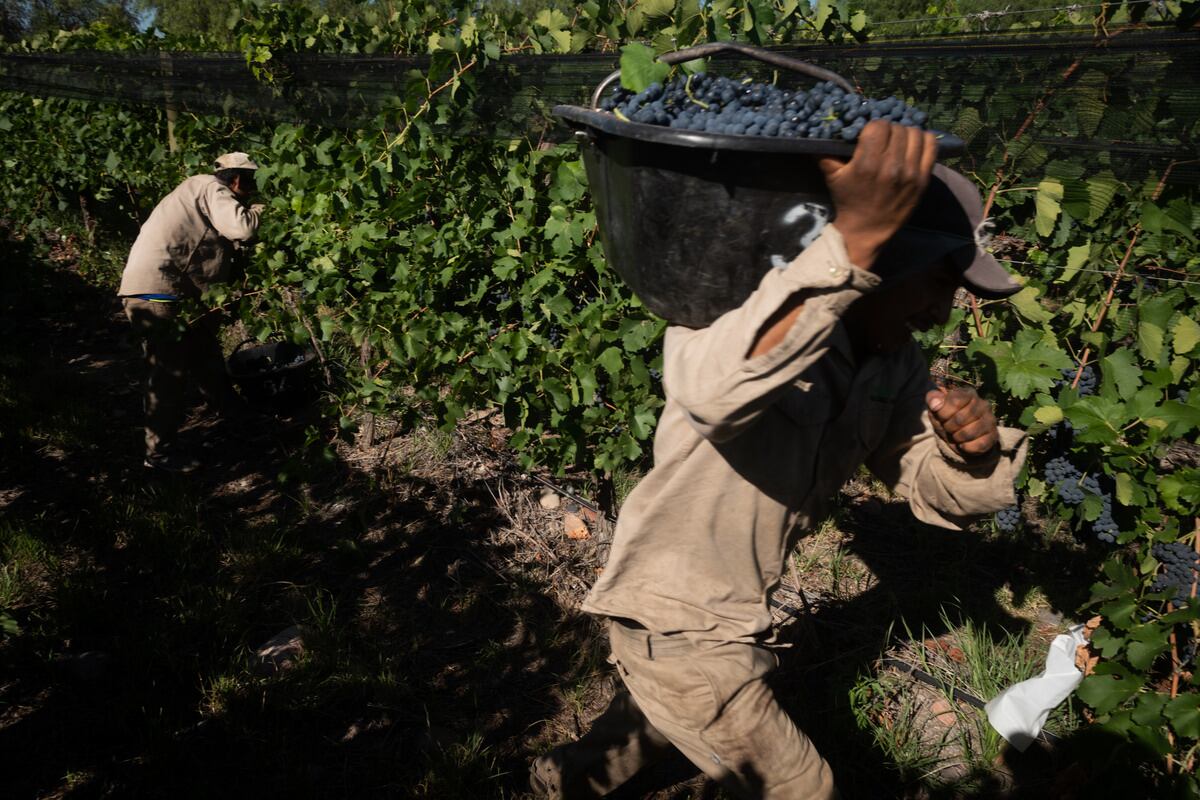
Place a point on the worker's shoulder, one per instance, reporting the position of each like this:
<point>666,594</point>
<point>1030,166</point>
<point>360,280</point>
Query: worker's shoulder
<point>201,183</point>
<point>195,186</point>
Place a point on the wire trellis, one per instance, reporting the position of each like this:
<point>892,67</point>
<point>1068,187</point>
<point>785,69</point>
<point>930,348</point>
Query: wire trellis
<point>1127,273</point>
<point>998,13</point>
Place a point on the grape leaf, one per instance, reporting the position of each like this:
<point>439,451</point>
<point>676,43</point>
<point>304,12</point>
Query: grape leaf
<point>1027,364</point>
<point>1048,415</point>
<point>1149,709</point>
<point>636,334</point>
<point>1119,369</point>
<point>1097,419</point>
<point>1120,612</point>
<point>1049,205</point>
<point>1026,304</point>
<point>1101,190</point>
<point>558,393</point>
<point>968,125</point>
<point>1179,417</point>
<point>1110,686</point>
<point>1184,715</point>
<point>1155,220</point>
<point>1186,335</point>
<point>640,67</point>
<point>657,8</point>
<point>1146,644</point>
<point>1076,258</point>
<point>1153,317</point>
<point>612,361</point>
<point>824,11</point>
<point>1177,487</point>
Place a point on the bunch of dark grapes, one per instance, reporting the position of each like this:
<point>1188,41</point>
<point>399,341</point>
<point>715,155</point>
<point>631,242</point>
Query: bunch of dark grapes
<point>726,106</point>
<point>1087,381</point>
<point>1008,519</point>
<point>1063,476</point>
<point>1105,527</point>
<point>1180,565</point>
<point>1073,487</point>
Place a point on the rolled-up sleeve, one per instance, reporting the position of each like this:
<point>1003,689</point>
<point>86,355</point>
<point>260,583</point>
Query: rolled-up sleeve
<point>941,487</point>
<point>707,371</point>
<point>233,220</point>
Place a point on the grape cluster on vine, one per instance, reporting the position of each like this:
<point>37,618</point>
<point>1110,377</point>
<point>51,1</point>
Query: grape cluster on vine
<point>1073,487</point>
<point>1008,519</point>
<point>1064,477</point>
<point>726,106</point>
<point>1087,380</point>
<point>1181,564</point>
<point>1105,527</point>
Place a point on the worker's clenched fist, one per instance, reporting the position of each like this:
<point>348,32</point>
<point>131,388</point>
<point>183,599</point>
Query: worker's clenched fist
<point>963,420</point>
<point>877,189</point>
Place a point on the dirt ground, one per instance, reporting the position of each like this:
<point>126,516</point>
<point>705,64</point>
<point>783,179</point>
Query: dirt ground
<point>438,595</point>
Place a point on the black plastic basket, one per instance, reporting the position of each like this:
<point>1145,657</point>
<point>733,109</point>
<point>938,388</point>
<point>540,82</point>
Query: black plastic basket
<point>691,220</point>
<point>278,375</point>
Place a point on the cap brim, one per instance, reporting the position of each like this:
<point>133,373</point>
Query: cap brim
<point>985,278</point>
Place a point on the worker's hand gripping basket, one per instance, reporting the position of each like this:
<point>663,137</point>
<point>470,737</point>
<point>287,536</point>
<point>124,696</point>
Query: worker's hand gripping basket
<point>692,220</point>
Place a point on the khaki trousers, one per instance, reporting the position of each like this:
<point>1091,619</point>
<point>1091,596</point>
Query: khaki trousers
<point>712,704</point>
<point>173,355</point>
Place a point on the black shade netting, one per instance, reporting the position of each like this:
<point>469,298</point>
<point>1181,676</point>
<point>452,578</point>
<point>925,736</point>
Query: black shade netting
<point>1132,98</point>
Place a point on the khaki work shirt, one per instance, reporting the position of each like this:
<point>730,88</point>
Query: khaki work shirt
<point>749,451</point>
<point>187,242</point>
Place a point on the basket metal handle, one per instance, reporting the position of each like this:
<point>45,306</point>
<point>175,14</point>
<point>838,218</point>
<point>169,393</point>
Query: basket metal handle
<point>711,48</point>
<point>242,344</point>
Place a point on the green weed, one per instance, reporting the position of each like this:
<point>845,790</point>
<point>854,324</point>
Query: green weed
<point>931,738</point>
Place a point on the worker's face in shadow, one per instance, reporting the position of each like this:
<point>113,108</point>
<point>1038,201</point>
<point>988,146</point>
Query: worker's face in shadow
<point>244,187</point>
<point>882,322</point>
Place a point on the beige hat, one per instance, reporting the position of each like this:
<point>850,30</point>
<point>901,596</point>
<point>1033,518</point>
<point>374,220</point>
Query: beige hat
<point>234,161</point>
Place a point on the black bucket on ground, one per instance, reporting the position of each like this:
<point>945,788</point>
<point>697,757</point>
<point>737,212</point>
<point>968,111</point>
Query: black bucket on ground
<point>692,221</point>
<point>280,376</point>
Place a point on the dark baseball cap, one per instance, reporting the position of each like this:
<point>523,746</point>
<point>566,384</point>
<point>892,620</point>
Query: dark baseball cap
<point>948,221</point>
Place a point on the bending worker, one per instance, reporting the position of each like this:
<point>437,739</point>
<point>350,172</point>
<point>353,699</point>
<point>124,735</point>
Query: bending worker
<point>768,412</point>
<point>186,245</point>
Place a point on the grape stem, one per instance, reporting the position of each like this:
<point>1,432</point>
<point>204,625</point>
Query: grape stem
<point>687,88</point>
<point>290,301</point>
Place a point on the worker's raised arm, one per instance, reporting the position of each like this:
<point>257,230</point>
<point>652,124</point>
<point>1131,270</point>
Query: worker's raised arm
<point>231,218</point>
<point>873,194</point>
<point>725,375</point>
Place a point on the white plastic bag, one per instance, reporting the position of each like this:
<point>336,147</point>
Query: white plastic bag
<point>1019,712</point>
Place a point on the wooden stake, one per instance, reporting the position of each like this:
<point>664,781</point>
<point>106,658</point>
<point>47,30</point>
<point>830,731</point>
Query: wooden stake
<point>364,359</point>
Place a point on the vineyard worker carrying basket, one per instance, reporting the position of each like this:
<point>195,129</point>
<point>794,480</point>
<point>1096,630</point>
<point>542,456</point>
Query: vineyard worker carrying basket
<point>768,412</point>
<point>187,244</point>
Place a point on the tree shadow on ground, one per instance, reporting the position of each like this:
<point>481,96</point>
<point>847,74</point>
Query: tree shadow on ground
<point>431,652</point>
